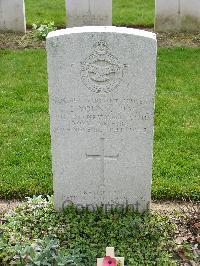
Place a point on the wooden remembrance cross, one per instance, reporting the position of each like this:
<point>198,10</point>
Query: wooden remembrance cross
<point>111,253</point>
<point>102,158</point>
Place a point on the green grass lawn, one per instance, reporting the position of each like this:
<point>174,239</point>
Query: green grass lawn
<point>25,159</point>
<point>125,12</point>
<point>176,143</point>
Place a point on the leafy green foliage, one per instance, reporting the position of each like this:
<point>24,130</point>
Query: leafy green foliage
<point>125,12</point>
<point>81,235</point>
<point>41,31</point>
<point>24,133</point>
<point>44,252</point>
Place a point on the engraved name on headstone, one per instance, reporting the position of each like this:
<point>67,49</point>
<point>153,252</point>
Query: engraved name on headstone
<point>101,94</point>
<point>12,15</point>
<point>89,13</point>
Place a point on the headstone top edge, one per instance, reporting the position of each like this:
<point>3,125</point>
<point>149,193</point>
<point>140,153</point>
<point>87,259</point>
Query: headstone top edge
<point>104,29</point>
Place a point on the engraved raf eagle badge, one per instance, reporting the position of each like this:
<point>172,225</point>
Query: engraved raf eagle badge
<point>101,72</point>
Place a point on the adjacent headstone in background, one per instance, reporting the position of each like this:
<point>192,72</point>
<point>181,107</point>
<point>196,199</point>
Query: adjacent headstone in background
<point>12,15</point>
<point>89,12</point>
<point>177,15</point>
<point>101,93</point>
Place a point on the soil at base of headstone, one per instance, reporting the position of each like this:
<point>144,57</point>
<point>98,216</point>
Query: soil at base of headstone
<point>11,40</point>
<point>157,206</point>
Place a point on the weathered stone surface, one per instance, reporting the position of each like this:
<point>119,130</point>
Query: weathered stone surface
<point>12,15</point>
<point>177,15</point>
<point>89,13</point>
<point>101,93</point>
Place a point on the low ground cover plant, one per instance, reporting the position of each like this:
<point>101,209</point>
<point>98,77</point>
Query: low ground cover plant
<point>44,252</point>
<point>35,231</point>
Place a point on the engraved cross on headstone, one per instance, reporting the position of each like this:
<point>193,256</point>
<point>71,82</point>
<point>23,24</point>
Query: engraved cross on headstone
<point>102,158</point>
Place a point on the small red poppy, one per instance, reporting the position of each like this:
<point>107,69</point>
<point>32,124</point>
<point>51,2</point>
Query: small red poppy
<point>108,261</point>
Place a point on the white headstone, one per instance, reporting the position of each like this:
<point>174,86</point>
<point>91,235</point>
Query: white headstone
<point>177,15</point>
<point>89,13</point>
<point>12,15</point>
<point>101,92</point>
